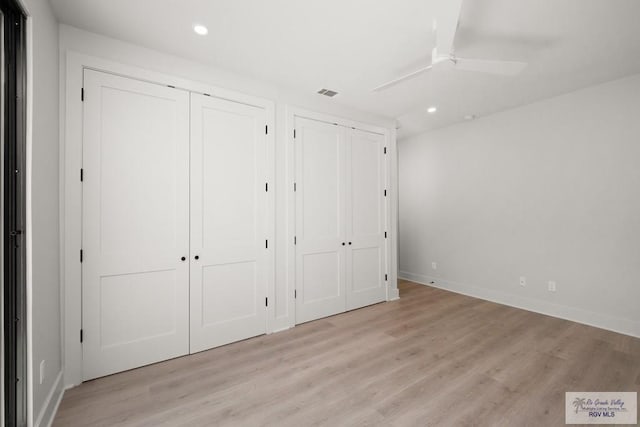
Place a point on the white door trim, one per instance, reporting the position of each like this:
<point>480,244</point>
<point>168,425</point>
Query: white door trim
<point>71,190</point>
<point>391,212</point>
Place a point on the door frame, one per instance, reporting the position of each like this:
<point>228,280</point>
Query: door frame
<point>71,189</point>
<point>391,204</point>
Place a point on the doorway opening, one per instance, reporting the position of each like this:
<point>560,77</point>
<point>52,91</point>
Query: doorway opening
<point>13,200</point>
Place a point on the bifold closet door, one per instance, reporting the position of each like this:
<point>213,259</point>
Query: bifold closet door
<point>366,249</point>
<point>229,253</point>
<point>135,285</point>
<point>320,212</point>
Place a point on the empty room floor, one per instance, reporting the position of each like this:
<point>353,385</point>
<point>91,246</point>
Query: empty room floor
<point>432,358</point>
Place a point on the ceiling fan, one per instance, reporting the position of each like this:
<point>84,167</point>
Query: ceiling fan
<point>444,29</point>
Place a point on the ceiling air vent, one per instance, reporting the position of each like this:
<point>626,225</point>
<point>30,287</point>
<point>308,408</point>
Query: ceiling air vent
<point>327,92</point>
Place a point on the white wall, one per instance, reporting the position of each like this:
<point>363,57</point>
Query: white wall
<point>44,266</point>
<point>549,191</point>
<point>76,40</point>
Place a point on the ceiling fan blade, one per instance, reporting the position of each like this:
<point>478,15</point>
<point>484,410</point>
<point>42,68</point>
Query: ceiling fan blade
<point>403,78</point>
<point>502,68</point>
<point>445,25</point>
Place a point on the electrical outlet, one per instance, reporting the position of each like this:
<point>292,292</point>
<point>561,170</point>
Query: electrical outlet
<point>42,371</point>
<point>552,286</point>
<point>434,265</point>
<point>523,281</point>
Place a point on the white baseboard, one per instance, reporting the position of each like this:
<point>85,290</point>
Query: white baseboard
<point>615,324</point>
<point>50,406</point>
<point>394,294</point>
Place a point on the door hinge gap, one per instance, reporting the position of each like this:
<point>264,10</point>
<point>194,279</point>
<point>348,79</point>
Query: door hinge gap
<point>80,255</point>
<point>266,129</point>
<point>81,335</point>
<point>294,134</point>
<point>266,302</point>
<point>385,277</point>
<point>295,240</point>
<point>385,234</point>
<point>266,244</point>
<point>266,186</point>
<point>294,187</point>
<point>295,294</point>
<point>81,175</point>
<point>82,94</point>
<point>385,193</point>
<point>385,150</point>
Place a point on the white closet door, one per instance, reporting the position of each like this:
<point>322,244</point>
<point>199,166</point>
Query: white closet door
<point>229,257</point>
<point>135,224</point>
<point>365,219</point>
<point>320,211</point>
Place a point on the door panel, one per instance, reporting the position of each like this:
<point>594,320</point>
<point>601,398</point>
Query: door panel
<point>150,293</point>
<point>320,210</point>
<point>321,275</point>
<point>228,222</point>
<point>238,283</point>
<point>135,223</point>
<point>366,269</point>
<point>365,225</point>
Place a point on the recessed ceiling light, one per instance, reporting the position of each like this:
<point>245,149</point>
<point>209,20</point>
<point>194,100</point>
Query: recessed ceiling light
<point>200,30</point>
<point>431,110</point>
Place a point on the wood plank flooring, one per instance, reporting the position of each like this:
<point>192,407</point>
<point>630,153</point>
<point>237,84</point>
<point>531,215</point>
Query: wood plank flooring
<point>431,358</point>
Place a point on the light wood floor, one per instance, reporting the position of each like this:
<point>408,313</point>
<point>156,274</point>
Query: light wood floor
<point>431,358</point>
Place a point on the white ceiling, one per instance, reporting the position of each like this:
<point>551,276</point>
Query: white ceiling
<point>354,45</point>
